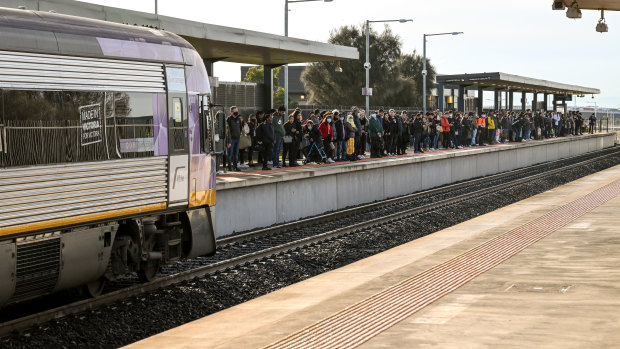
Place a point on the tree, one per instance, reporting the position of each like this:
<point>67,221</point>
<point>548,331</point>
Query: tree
<point>391,86</point>
<point>257,75</point>
<point>411,66</point>
<point>278,97</point>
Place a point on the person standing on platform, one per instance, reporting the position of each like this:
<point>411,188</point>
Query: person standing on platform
<point>474,125</point>
<point>375,131</point>
<point>357,114</point>
<point>278,128</point>
<point>363,136</point>
<point>266,138</point>
<point>491,128</point>
<point>234,135</point>
<point>339,136</point>
<point>445,131</point>
<point>350,131</point>
<point>482,129</point>
<point>315,117</point>
<point>287,141</point>
<point>578,124</point>
<point>327,134</point>
<point>418,129</point>
<point>592,124</point>
<point>297,132</point>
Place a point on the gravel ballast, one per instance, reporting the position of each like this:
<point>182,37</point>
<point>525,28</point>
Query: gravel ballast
<point>137,318</point>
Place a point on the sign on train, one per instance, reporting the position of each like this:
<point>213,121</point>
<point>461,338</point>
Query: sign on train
<point>90,122</point>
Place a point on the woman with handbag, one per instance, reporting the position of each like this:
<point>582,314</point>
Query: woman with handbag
<point>287,140</point>
<point>245,142</point>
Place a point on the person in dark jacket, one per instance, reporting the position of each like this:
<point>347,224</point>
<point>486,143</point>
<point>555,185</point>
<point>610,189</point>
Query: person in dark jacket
<point>375,131</point>
<point>458,130</point>
<point>297,132</point>
<point>394,132</point>
<point>403,134</point>
<point>266,138</point>
<point>314,137</point>
<point>592,124</point>
<point>363,137</point>
<point>234,135</point>
<point>357,114</point>
<point>340,135</point>
<point>287,142</point>
<point>418,129</point>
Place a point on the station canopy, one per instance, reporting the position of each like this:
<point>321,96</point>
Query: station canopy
<point>213,42</point>
<point>503,81</point>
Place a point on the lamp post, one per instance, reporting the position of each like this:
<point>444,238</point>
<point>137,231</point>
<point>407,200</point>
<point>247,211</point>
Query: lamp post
<point>367,63</point>
<point>286,2</point>
<point>424,72</point>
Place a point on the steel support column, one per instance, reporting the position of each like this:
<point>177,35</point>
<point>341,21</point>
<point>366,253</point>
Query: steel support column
<point>546,101</point>
<point>496,97</point>
<point>461,99</point>
<point>268,87</point>
<point>480,99</point>
<point>523,99</point>
<point>441,99</point>
<point>209,66</point>
<point>535,101</point>
<point>510,100</point>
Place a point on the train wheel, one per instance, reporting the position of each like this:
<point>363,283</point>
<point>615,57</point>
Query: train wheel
<point>95,288</point>
<point>148,270</point>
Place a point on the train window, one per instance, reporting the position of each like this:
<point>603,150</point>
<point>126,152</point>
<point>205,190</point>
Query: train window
<point>50,127</point>
<point>133,117</point>
<point>46,127</point>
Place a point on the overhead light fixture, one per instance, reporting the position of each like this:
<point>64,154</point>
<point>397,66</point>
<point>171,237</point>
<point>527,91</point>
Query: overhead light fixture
<point>558,6</point>
<point>573,11</point>
<point>601,27</point>
<point>338,68</point>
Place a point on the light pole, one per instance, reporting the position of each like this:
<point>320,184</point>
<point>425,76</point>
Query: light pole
<point>286,2</point>
<point>367,63</point>
<point>424,72</point>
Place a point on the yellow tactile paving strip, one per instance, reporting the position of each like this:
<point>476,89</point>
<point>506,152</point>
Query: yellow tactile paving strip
<point>480,314</point>
<point>356,324</point>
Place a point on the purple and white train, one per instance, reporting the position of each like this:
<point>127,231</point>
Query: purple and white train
<point>106,153</point>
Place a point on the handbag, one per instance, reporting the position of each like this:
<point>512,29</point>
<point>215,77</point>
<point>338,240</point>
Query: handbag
<point>287,139</point>
<point>245,142</point>
<point>350,146</point>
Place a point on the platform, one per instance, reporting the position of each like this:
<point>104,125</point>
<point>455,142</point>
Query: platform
<point>263,198</point>
<point>540,273</point>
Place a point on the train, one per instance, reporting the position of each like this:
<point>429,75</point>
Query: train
<point>107,163</point>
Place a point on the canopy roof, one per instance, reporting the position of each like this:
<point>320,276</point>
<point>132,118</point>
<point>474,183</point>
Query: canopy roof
<point>513,82</point>
<point>213,42</point>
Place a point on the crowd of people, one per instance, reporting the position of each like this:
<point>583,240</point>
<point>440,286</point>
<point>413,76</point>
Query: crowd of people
<point>334,136</point>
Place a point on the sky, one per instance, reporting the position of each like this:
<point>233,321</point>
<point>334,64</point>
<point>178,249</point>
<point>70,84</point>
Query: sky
<point>523,37</point>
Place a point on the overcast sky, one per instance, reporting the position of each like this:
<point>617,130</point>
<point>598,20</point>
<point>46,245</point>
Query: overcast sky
<point>518,37</point>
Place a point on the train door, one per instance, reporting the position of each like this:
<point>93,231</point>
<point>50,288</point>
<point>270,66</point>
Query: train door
<point>178,139</point>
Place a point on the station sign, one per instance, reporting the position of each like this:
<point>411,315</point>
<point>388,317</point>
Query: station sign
<point>367,91</point>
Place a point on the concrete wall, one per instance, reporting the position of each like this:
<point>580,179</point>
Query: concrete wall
<point>255,201</point>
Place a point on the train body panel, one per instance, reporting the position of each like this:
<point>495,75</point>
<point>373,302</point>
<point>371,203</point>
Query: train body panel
<point>106,164</point>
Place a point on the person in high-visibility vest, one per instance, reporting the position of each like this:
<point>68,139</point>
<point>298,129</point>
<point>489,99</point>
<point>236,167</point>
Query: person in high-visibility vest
<point>491,129</point>
<point>482,129</point>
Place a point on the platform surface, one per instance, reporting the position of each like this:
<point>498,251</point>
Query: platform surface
<point>561,291</point>
<point>254,176</point>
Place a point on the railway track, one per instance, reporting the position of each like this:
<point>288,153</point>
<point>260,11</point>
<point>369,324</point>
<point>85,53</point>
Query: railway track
<point>249,247</point>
